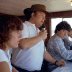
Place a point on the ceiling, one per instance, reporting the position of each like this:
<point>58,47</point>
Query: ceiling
<point>16,7</point>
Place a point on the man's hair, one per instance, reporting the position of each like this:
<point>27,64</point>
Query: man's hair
<point>8,23</point>
<point>62,26</point>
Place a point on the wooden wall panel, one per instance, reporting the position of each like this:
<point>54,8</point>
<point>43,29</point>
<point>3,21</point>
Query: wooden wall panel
<point>60,14</point>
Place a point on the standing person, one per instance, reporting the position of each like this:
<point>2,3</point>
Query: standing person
<point>57,48</point>
<point>29,56</point>
<point>10,28</point>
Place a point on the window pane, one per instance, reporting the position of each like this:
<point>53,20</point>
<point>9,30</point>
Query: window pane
<point>69,20</point>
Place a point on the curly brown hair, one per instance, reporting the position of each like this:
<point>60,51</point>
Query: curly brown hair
<point>8,23</point>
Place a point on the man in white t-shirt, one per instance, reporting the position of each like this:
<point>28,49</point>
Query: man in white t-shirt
<point>31,52</point>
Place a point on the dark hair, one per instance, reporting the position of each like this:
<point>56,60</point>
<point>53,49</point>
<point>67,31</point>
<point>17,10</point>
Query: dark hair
<point>62,25</point>
<point>8,23</point>
<point>28,12</point>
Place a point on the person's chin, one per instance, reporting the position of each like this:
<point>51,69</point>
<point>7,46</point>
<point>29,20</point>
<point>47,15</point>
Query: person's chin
<point>63,37</point>
<point>16,46</point>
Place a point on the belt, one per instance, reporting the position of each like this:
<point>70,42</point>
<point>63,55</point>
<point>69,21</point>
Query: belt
<point>23,70</point>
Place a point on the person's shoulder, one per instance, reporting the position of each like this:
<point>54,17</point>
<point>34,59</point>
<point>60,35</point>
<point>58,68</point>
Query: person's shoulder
<point>53,38</point>
<point>57,38</point>
<point>3,56</point>
<point>1,51</point>
<point>26,24</point>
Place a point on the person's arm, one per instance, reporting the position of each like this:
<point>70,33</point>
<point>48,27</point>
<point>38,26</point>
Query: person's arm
<point>29,42</point>
<point>67,42</point>
<point>14,70</point>
<point>66,54</point>
<point>4,67</point>
<point>49,58</point>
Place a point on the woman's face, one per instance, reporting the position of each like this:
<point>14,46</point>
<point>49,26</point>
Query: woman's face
<point>14,39</point>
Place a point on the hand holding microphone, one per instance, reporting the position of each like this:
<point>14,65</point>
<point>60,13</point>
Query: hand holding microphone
<point>42,27</point>
<point>43,32</point>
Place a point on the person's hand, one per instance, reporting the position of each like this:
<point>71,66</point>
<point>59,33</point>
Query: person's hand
<point>14,70</point>
<point>60,63</point>
<point>43,34</point>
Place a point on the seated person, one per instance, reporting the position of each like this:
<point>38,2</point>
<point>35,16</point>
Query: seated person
<point>10,28</point>
<point>67,41</point>
<point>55,44</point>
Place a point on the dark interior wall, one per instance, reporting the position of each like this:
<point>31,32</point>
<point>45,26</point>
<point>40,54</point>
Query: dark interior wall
<point>2,14</point>
<point>48,26</point>
<point>61,14</point>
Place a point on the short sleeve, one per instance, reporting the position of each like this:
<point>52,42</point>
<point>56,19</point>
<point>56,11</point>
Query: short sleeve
<point>25,31</point>
<point>3,56</point>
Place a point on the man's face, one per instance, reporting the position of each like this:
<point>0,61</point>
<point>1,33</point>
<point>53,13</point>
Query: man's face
<point>39,18</point>
<point>63,33</point>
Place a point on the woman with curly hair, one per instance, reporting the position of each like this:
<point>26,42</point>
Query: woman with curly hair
<point>10,29</point>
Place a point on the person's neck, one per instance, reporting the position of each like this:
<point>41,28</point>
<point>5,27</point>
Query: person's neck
<point>32,21</point>
<point>6,48</point>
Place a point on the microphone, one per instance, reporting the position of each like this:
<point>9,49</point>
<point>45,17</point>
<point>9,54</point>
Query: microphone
<point>42,27</point>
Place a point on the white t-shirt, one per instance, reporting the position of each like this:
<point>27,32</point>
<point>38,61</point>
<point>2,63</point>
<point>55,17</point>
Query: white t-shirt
<point>4,56</point>
<point>30,59</point>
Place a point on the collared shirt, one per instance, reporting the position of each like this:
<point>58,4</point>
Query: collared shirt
<point>57,49</point>
<point>29,59</point>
